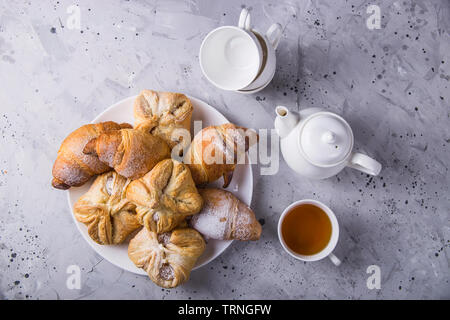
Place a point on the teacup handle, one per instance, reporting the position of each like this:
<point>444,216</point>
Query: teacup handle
<point>273,34</point>
<point>244,20</point>
<point>365,164</point>
<point>336,261</point>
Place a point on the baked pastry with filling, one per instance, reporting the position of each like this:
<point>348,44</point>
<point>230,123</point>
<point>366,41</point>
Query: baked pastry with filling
<point>216,150</point>
<point>131,152</point>
<point>168,257</point>
<point>165,196</point>
<point>72,167</point>
<point>170,111</point>
<point>225,217</point>
<point>104,209</point>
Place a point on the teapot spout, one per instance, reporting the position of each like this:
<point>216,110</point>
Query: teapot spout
<point>285,121</point>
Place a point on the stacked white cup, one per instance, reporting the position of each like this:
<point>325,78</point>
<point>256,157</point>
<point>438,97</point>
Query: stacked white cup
<point>239,58</point>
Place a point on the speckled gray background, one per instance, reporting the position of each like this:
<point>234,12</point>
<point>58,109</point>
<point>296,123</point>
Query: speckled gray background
<point>392,85</point>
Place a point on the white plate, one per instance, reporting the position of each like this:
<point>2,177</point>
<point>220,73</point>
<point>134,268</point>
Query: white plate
<point>241,185</point>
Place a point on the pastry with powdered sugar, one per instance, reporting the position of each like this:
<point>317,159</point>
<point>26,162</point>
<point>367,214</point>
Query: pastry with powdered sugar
<point>225,217</point>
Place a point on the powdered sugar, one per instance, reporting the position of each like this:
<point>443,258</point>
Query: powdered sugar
<point>109,184</point>
<point>164,238</point>
<point>225,217</point>
<point>243,223</point>
<point>166,272</point>
<point>214,219</point>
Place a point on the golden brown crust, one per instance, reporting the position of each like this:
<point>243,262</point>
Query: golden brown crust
<point>167,110</point>
<point>131,152</point>
<point>104,209</point>
<point>168,260</point>
<point>58,184</point>
<point>214,152</point>
<point>225,217</point>
<point>74,168</point>
<point>165,196</point>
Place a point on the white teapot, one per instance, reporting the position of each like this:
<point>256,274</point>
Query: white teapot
<point>318,144</point>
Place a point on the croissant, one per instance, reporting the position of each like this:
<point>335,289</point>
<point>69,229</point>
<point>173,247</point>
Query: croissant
<point>165,196</point>
<point>215,151</point>
<point>131,152</point>
<point>225,217</point>
<point>104,209</point>
<point>168,258</point>
<point>72,168</point>
<point>169,110</point>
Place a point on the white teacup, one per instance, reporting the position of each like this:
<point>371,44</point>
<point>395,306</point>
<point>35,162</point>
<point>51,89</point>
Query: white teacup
<point>230,57</point>
<point>269,43</point>
<point>325,252</point>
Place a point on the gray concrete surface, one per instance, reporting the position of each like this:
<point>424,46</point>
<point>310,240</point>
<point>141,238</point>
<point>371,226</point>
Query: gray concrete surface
<point>392,85</point>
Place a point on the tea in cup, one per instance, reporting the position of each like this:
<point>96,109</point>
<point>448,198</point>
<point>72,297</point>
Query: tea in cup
<point>308,230</point>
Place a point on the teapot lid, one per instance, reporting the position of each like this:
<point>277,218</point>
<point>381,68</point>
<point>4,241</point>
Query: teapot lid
<point>326,139</point>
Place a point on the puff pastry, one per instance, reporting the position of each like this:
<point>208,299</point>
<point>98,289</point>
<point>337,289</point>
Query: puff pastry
<point>170,111</point>
<point>73,168</point>
<point>131,152</point>
<point>216,150</point>
<point>168,258</point>
<point>104,209</point>
<point>165,196</point>
<point>225,217</point>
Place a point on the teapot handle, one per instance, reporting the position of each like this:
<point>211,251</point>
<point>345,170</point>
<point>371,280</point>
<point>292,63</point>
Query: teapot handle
<point>365,164</point>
